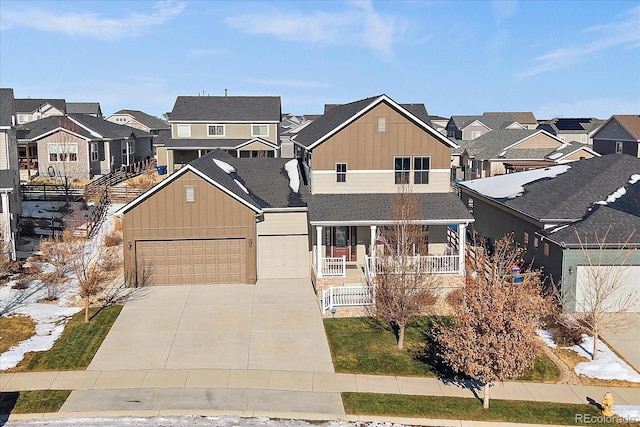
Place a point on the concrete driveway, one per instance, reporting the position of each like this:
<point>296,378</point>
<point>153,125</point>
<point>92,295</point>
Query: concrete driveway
<point>627,341</point>
<point>274,325</point>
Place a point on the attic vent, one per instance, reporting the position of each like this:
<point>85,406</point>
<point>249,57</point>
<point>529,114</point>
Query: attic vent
<point>382,124</point>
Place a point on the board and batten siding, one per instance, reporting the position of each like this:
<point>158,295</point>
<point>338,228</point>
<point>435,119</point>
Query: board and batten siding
<point>166,215</point>
<point>382,181</point>
<point>231,131</point>
<point>364,148</point>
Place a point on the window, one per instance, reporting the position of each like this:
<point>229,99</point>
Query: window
<point>475,134</point>
<point>341,172</point>
<point>526,238</point>
<point>619,147</point>
<point>216,130</point>
<point>184,130</point>
<point>259,130</point>
<point>615,127</point>
<point>94,151</point>
<point>128,152</point>
<point>535,242</point>
<point>53,152</point>
<point>421,166</point>
<point>63,152</point>
<point>402,167</point>
<point>23,118</point>
<point>583,138</point>
<point>546,249</point>
<point>72,152</point>
<point>382,124</point>
<point>470,204</point>
<point>190,194</point>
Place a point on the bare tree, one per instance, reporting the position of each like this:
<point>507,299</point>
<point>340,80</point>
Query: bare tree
<point>54,252</point>
<point>63,157</point>
<point>404,284</point>
<point>602,300</point>
<point>493,336</point>
<point>93,264</point>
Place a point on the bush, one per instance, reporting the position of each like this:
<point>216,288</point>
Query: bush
<point>566,331</point>
<point>118,225</point>
<point>113,239</point>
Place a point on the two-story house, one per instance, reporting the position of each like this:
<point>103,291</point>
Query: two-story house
<point>139,120</point>
<point>572,129</point>
<point>243,126</point>
<point>10,206</point>
<point>620,134</point>
<point>30,109</point>
<point>82,146</point>
<point>89,108</point>
<point>226,219</point>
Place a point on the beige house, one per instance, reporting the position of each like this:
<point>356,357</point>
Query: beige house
<point>139,120</point>
<point>83,146</point>
<point>10,206</point>
<point>30,109</point>
<point>243,126</point>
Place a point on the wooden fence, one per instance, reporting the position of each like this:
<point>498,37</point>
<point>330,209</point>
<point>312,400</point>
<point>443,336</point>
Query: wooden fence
<point>95,187</point>
<point>124,194</point>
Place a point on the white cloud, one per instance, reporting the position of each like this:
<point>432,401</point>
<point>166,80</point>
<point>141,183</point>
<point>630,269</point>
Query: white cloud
<point>622,33</point>
<point>90,24</point>
<point>601,108</point>
<point>358,24</point>
<point>288,83</point>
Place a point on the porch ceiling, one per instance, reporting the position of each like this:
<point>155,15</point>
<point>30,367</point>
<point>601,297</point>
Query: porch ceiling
<point>375,208</point>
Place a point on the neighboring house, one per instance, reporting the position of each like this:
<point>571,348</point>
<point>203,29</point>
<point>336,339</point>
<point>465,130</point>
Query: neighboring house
<point>139,120</point>
<point>30,109</point>
<point>83,146</point>
<point>544,208</point>
<point>290,125</point>
<point>10,204</point>
<point>466,128</point>
<point>88,108</point>
<point>503,151</point>
<point>356,157</point>
<point>620,134</point>
<point>439,123</point>
<point>243,126</point>
<point>572,129</point>
<point>219,219</point>
<point>525,118</point>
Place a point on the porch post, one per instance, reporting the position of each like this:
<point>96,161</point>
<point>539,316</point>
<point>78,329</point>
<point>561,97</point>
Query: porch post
<point>373,244</point>
<point>318,251</point>
<point>462,247</point>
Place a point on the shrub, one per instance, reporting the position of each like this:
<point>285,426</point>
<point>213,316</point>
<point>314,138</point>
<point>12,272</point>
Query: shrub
<point>118,225</point>
<point>113,239</point>
<point>566,331</point>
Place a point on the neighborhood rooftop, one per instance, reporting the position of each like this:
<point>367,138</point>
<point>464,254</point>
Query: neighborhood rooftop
<point>226,109</point>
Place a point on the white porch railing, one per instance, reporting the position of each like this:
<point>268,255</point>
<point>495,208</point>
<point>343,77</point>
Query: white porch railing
<point>334,267</point>
<point>433,264</point>
<point>341,296</point>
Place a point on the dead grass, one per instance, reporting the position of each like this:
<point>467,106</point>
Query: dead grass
<point>113,239</point>
<point>144,181</point>
<point>118,225</point>
<point>75,182</point>
<point>571,359</point>
<point>14,329</point>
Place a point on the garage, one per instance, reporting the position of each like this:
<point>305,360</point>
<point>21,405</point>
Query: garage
<point>626,288</point>
<point>192,261</point>
<point>283,256</point>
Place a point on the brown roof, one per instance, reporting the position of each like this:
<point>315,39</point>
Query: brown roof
<point>631,123</point>
<point>522,117</point>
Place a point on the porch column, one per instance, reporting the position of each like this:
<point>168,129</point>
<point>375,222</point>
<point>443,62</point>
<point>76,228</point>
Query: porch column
<point>318,251</point>
<point>199,153</point>
<point>462,247</point>
<point>373,244</point>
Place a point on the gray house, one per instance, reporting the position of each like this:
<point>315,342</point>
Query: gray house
<point>620,134</point>
<point>10,206</point>
<point>545,208</point>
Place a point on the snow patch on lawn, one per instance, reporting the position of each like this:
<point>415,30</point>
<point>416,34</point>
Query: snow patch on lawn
<point>630,413</point>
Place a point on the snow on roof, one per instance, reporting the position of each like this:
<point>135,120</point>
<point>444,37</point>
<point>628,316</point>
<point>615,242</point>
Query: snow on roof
<point>292,170</point>
<point>634,178</point>
<point>556,155</point>
<point>242,187</point>
<point>613,196</point>
<point>224,166</point>
<point>511,185</point>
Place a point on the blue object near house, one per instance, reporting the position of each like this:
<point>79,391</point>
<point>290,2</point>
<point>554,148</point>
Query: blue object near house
<point>515,270</point>
<point>162,169</point>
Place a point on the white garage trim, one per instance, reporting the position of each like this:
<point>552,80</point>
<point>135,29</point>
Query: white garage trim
<point>283,256</point>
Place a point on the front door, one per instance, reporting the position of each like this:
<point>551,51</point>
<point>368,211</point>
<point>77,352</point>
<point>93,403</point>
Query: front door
<point>343,242</point>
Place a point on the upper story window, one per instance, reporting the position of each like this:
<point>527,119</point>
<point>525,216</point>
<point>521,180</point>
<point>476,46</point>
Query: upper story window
<point>475,134</point>
<point>189,194</point>
<point>259,130</point>
<point>382,124</point>
<point>23,118</point>
<point>619,146</point>
<point>402,169</point>
<point>421,166</point>
<point>215,130</point>
<point>184,130</point>
<point>615,127</point>
<point>63,152</point>
<point>341,172</point>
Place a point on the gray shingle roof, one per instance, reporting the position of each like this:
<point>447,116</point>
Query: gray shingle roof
<point>491,144</point>
<point>148,120</point>
<point>7,107</point>
<point>265,178</point>
<point>107,129</point>
<point>376,207</point>
<point>29,105</point>
<point>492,121</point>
<point>570,195</point>
<point>163,137</point>
<point>226,109</point>
<point>84,108</point>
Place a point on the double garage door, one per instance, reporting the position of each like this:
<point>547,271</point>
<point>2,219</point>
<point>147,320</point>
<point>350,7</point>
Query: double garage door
<point>193,261</point>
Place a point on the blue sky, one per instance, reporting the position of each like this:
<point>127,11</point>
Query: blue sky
<point>457,57</point>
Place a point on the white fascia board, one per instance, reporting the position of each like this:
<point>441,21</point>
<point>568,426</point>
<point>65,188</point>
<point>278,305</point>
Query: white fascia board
<point>283,210</point>
<point>260,140</point>
<point>365,222</point>
<point>476,122</point>
<point>51,132</point>
<point>221,122</point>
<point>534,134</point>
<point>375,102</point>
<point>91,131</point>
<point>173,177</point>
<point>587,149</point>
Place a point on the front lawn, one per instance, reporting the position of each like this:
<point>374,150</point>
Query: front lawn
<point>32,402</point>
<point>15,329</point>
<point>76,346</point>
<point>457,408</point>
<point>364,346</point>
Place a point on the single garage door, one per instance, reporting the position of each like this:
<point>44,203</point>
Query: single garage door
<point>282,257</point>
<point>624,291</point>
<point>197,261</point>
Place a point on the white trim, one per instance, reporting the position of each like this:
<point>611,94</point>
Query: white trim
<point>284,210</point>
<point>224,130</point>
<point>365,222</point>
<point>220,121</point>
<point>259,124</point>
<point>369,107</point>
<point>473,123</point>
<point>257,139</point>
<point>91,131</point>
<point>172,178</point>
<point>617,139</point>
<point>178,130</point>
<point>351,171</point>
<point>51,132</point>
<point>587,149</point>
<point>534,134</point>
